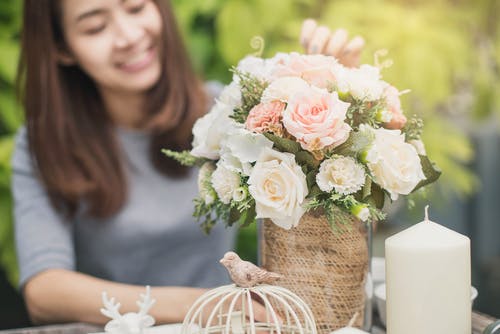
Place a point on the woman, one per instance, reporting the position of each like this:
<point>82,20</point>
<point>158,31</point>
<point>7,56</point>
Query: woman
<point>106,84</point>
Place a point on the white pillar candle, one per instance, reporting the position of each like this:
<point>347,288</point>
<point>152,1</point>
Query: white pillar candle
<point>428,281</point>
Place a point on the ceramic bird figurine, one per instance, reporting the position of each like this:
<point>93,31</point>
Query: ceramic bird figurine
<point>246,274</point>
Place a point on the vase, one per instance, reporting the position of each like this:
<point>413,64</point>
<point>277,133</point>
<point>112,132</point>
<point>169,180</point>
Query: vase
<point>329,268</point>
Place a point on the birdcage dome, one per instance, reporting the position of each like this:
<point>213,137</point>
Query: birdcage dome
<point>229,309</point>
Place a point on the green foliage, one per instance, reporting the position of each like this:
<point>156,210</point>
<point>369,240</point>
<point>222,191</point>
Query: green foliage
<point>185,158</point>
<point>10,119</point>
<point>251,92</point>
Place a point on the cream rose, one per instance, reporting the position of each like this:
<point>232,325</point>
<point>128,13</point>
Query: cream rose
<point>279,188</point>
<point>393,163</point>
<point>316,119</point>
<point>343,174</point>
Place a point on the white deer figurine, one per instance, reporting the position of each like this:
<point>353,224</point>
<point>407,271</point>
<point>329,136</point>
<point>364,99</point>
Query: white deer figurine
<point>129,323</point>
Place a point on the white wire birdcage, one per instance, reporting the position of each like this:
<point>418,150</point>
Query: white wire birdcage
<point>229,310</point>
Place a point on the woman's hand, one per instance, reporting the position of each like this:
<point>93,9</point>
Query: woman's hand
<point>321,40</point>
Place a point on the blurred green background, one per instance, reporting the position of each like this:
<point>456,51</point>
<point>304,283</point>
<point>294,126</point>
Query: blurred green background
<point>446,51</point>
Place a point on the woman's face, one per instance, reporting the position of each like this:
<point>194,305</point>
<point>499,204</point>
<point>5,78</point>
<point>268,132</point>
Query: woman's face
<point>116,42</point>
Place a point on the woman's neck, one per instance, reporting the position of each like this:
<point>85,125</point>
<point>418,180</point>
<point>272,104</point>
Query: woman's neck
<point>125,109</point>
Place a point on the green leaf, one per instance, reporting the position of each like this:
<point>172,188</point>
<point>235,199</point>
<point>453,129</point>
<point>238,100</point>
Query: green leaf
<point>283,144</point>
<point>314,192</point>
<point>247,217</point>
<point>311,179</point>
<point>367,188</point>
<point>377,197</point>
<point>307,159</point>
<point>431,172</point>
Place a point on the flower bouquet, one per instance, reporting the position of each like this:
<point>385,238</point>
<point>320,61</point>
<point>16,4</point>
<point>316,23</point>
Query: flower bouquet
<point>303,142</point>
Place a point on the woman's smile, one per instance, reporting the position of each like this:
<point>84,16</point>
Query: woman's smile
<point>139,61</point>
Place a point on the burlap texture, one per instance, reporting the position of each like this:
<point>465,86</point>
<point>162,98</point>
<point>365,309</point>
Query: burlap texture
<point>326,268</point>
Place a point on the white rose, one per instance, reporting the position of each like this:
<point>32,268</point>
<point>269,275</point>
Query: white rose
<point>363,83</point>
<point>231,95</point>
<point>209,130</point>
<point>242,147</point>
<point>394,164</point>
<point>225,182</point>
<point>204,189</point>
<point>343,174</point>
<point>279,188</point>
<point>282,89</point>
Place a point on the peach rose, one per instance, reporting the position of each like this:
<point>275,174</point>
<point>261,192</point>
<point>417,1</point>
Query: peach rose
<point>398,120</point>
<point>317,70</point>
<point>316,119</point>
<point>265,117</point>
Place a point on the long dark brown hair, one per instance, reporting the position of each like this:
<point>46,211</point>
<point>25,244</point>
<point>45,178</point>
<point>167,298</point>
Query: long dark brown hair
<point>70,135</point>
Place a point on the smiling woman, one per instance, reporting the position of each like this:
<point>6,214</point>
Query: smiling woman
<point>106,84</point>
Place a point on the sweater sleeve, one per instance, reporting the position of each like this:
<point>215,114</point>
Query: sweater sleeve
<point>43,239</point>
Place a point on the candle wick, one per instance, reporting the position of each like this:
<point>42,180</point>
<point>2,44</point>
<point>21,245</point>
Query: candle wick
<point>427,213</point>
<point>354,317</point>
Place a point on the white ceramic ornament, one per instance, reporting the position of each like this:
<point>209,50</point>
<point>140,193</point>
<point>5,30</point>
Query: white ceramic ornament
<point>129,323</point>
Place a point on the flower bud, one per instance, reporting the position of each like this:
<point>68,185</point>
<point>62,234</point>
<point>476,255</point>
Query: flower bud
<point>361,211</point>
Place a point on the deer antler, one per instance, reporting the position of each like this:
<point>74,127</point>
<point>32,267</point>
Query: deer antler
<point>146,302</point>
<point>111,309</point>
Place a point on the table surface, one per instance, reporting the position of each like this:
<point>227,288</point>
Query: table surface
<point>479,323</point>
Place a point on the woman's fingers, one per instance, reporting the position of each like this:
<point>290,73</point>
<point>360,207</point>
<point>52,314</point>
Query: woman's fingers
<point>351,53</point>
<point>307,31</point>
<point>320,40</point>
<point>336,43</point>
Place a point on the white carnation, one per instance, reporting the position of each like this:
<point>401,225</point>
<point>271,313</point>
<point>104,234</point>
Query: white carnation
<point>363,83</point>
<point>225,182</point>
<point>343,174</point>
<point>282,89</point>
<point>279,188</point>
<point>394,164</point>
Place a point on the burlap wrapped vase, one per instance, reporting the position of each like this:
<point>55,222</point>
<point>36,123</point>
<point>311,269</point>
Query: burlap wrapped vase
<point>328,268</point>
